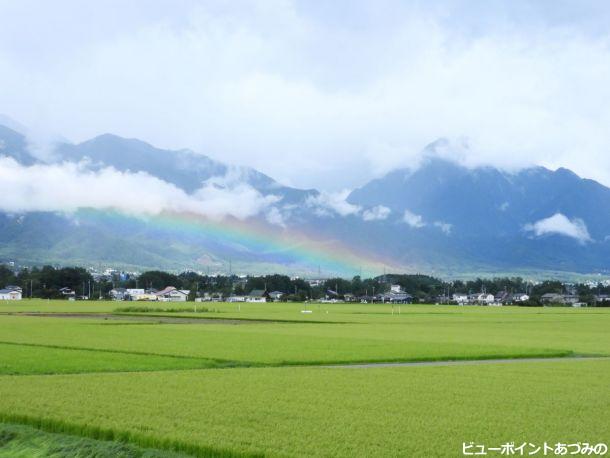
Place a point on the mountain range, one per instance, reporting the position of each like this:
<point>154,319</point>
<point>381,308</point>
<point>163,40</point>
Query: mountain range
<point>439,217</point>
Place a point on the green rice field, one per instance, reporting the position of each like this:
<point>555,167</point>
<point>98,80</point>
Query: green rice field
<point>269,380</point>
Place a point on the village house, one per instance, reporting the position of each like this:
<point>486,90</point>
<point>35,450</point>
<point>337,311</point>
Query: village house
<point>520,297</point>
<point>117,294</point>
<point>396,295</point>
<point>275,296</point>
<point>503,298</point>
<point>554,298</point>
<point>460,298</point>
<point>602,298</point>
<point>172,294</point>
<point>209,297</point>
<point>257,295</point>
<point>481,299</point>
<point>131,293</point>
<point>68,293</point>
<point>11,293</point>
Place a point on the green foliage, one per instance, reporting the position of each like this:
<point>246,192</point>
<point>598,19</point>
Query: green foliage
<point>158,279</point>
<point>147,309</point>
<point>45,282</point>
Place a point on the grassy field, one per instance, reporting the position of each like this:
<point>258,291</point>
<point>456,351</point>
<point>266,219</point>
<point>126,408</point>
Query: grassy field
<point>226,382</point>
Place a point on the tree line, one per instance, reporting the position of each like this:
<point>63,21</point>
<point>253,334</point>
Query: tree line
<point>46,282</point>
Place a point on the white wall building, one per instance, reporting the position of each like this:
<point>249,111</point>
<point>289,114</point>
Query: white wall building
<point>10,294</point>
<point>172,294</point>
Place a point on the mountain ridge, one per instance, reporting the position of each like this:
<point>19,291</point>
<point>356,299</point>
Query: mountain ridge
<point>440,216</point>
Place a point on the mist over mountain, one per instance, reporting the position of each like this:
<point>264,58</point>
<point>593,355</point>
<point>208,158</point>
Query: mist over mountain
<point>94,203</point>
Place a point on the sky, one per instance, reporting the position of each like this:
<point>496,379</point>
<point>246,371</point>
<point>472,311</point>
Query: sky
<point>315,93</point>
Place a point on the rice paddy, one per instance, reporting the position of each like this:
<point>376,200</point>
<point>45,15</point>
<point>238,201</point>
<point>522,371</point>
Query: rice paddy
<point>261,386</point>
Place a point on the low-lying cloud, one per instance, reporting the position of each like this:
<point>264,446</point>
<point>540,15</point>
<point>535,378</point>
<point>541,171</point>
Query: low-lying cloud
<point>560,224</point>
<point>413,219</point>
<point>329,203</point>
<point>378,213</point>
<point>68,187</point>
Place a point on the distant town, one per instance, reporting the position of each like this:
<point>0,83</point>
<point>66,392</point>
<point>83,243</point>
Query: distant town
<point>77,283</point>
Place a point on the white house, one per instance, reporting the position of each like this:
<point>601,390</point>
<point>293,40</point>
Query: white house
<point>481,298</point>
<point>275,295</point>
<point>460,298</point>
<point>257,295</point>
<point>10,293</point>
<point>520,297</point>
<point>67,292</point>
<point>117,294</point>
<point>172,294</point>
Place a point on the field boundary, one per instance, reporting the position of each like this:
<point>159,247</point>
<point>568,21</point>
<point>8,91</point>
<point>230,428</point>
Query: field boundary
<point>466,362</point>
<point>171,317</point>
<point>220,362</point>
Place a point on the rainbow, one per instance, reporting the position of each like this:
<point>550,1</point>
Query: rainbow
<point>291,248</point>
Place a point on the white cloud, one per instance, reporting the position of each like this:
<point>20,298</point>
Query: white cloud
<point>346,92</point>
<point>379,212</point>
<point>275,217</point>
<point>413,220</point>
<point>445,227</point>
<point>67,187</point>
<point>329,203</point>
<point>561,225</point>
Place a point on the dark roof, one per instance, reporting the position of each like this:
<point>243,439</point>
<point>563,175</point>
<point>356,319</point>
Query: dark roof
<point>6,291</point>
<point>257,293</point>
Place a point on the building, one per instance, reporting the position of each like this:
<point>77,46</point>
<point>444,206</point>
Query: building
<point>68,293</point>
<point>396,295</point>
<point>554,298</point>
<point>603,298</point>
<point>460,298</point>
<point>172,294</point>
<point>503,297</point>
<point>257,295</point>
<point>520,297</point>
<point>209,297</point>
<point>130,293</point>
<point>11,293</point>
<point>117,294</point>
<point>481,299</point>
<point>275,295</point>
